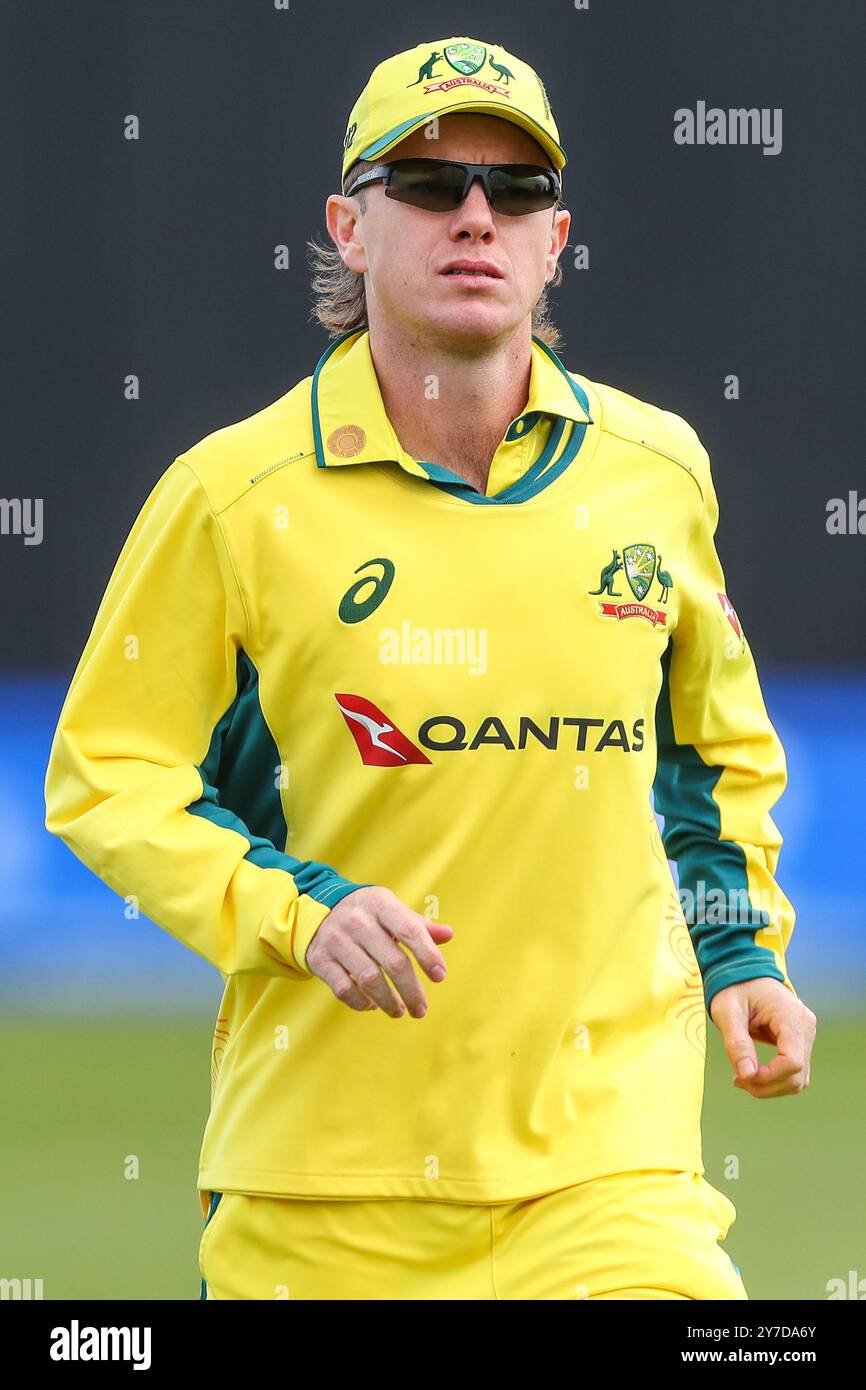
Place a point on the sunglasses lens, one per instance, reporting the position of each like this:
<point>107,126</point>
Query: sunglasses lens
<point>438,187</point>
<point>426,184</point>
<point>520,188</point>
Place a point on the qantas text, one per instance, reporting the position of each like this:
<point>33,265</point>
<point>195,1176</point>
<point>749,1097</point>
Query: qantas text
<point>445,732</point>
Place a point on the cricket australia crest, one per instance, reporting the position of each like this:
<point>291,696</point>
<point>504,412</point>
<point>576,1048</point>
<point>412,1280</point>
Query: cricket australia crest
<point>465,57</point>
<point>642,568</point>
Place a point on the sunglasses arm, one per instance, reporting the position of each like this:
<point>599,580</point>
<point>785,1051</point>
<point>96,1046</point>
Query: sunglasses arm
<point>371,176</point>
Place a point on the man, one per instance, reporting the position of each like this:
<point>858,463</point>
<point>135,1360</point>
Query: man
<point>412,646</point>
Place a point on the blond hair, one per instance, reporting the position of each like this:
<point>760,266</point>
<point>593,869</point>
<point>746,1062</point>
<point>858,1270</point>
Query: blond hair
<point>340,300</point>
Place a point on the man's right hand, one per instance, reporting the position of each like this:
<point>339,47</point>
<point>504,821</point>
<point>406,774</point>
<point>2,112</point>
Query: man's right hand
<point>358,945</point>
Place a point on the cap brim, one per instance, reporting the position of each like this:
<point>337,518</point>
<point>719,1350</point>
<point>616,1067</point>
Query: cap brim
<point>387,142</point>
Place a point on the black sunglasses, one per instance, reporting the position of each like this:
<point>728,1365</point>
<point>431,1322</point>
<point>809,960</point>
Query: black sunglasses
<point>440,185</point>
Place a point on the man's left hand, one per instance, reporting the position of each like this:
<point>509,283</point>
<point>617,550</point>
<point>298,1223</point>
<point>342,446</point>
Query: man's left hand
<point>765,1010</point>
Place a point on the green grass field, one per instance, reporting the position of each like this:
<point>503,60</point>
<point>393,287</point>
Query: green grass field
<point>78,1098</point>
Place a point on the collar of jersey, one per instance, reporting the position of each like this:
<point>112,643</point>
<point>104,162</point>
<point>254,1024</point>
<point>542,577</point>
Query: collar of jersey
<point>346,394</point>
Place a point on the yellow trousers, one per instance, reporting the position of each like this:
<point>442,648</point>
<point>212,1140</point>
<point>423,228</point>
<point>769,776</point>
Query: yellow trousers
<point>647,1234</point>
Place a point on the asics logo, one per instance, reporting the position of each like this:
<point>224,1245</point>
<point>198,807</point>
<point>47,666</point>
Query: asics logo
<point>374,588</point>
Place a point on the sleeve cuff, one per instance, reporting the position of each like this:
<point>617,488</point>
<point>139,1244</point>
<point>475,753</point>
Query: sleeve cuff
<point>308,912</point>
<point>737,972</point>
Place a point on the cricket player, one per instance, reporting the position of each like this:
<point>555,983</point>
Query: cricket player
<point>374,712</point>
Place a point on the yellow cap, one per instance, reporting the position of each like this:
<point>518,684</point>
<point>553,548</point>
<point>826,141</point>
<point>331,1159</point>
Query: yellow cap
<point>459,74</point>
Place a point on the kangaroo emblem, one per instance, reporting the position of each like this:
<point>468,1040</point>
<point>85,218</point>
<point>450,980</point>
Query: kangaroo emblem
<point>664,579</point>
<point>605,579</point>
<point>505,75</point>
<point>425,72</point>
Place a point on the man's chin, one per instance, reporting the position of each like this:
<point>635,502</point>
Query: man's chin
<point>469,323</point>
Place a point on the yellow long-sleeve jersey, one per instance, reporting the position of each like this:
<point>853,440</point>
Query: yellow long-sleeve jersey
<point>306,676</point>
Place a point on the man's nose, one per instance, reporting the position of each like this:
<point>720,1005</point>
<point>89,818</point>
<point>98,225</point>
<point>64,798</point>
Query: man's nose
<point>475,204</point>
<point>476,189</point>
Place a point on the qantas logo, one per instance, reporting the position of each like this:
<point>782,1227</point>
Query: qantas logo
<point>730,613</point>
<point>382,744</point>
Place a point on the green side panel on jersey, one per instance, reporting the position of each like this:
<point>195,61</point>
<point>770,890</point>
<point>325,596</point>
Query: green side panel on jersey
<point>723,932</point>
<point>240,791</point>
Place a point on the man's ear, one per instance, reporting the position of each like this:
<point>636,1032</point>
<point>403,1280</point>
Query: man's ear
<point>343,216</point>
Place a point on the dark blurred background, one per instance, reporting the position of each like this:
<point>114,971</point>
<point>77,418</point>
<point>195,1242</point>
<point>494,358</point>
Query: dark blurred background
<point>155,257</point>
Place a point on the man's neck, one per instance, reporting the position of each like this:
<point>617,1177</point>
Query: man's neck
<point>447,408</point>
